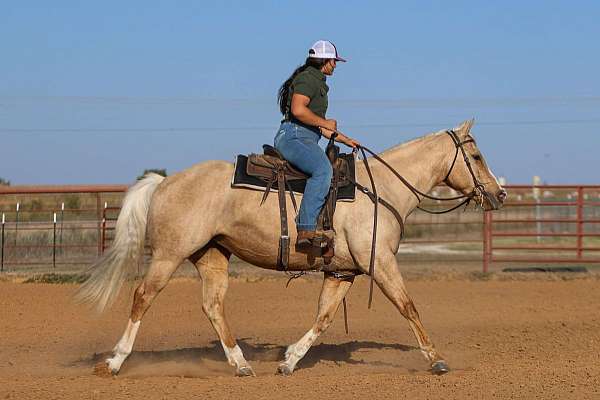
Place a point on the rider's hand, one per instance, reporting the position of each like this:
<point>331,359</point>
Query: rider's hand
<point>351,142</point>
<point>330,124</point>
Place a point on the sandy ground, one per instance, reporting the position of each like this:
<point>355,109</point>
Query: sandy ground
<point>532,338</point>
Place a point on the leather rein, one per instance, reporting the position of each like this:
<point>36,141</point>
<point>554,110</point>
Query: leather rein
<point>478,190</point>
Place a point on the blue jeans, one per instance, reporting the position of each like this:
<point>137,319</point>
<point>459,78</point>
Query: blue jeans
<point>300,147</point>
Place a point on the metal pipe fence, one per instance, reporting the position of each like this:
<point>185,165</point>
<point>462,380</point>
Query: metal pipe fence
<point>53,225</point>
<point>70,226</point>
<point>550,224</point>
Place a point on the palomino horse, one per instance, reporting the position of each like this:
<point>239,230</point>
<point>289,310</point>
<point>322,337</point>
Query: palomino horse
<point>196,215</point>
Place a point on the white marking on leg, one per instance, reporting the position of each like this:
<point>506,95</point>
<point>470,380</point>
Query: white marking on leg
<point>123,347</point>
<point>234,354</point>
<point>235,357</point>
<point>296,351</point>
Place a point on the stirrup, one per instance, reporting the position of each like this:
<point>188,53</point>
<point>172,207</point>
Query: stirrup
<point>308,247</point>
<point>328,245</point>
<point>320,244</point>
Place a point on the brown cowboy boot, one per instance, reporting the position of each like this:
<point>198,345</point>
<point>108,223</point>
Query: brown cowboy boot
<point>305,245</point>
<point>316,243</point>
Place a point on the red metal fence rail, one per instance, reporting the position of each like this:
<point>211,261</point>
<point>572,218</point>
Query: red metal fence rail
<point>560,237</point>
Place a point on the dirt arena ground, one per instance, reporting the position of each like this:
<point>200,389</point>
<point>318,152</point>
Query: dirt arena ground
<point>504,339</point>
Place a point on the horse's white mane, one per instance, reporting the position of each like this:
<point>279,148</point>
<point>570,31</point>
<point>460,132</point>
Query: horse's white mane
<point>412,142</point>
<point>466,124</point>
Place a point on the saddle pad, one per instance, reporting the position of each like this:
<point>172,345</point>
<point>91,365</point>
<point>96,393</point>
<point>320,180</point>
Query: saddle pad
<point>241,179</point>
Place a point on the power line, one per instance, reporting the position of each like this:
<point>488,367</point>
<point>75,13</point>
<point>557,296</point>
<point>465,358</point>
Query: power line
<point>401,102</point>
<point>267,127</point>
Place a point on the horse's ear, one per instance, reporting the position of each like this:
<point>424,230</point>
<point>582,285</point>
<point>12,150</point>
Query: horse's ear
<point>465,128</point>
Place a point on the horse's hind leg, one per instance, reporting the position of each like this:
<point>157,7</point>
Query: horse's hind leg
<point>212,267</point>
<point>390,281</point>
<point>155,280</point>
<point>332,293</point>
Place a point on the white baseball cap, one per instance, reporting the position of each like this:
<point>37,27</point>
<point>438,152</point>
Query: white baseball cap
<point>324,49</point>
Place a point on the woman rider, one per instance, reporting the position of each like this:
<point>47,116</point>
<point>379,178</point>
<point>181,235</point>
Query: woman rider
<point>303,102</point>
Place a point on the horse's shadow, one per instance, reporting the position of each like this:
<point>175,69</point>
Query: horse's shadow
<point>266,352</point>
<point>343,353</point>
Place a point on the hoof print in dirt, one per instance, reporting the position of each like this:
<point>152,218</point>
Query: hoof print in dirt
<point>439,368</point>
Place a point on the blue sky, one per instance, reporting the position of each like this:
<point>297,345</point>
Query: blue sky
<point>94,92</point>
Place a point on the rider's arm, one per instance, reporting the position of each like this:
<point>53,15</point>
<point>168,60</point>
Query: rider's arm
<point>301,112</point>
<point>340,137</point>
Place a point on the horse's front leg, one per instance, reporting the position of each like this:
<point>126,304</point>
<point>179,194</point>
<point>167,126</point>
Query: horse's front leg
<point>388,278</point>
<point>332,293</point>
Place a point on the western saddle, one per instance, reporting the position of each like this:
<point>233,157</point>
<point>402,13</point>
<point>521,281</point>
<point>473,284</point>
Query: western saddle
<point>272,168</point>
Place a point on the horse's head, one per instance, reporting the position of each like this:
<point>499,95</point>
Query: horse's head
<point>469,173</point>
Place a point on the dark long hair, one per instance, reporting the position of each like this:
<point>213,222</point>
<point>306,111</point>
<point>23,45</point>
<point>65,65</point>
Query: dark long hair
<point>284,90</point>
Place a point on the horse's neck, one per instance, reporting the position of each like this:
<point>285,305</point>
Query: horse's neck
<point>424,163</point>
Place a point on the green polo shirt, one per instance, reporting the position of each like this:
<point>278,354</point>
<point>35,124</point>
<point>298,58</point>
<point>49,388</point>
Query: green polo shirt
<point>311,83</point>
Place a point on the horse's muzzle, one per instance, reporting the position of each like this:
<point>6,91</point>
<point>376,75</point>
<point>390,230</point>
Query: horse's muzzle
<point>501,195</point>
<point>494,202</point>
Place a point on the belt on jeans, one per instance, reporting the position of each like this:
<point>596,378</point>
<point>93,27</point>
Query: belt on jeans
<point>297,122</point>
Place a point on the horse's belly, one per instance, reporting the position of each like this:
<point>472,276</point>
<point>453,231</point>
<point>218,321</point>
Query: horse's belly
<point>252,233</point>
<point>264,255</point>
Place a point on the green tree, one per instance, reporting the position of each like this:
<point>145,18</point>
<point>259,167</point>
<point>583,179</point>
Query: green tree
<point>4,182</point>
<point>159,171</point>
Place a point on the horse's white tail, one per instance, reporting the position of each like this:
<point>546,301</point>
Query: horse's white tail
<point>121,260</point>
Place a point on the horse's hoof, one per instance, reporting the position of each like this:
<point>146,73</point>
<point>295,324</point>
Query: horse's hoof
<point>102,369</point>
<point>284,370</point>
<point>245,371</point>
<point>439,368</point>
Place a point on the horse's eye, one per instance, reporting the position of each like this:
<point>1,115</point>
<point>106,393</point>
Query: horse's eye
<point>477,157</point>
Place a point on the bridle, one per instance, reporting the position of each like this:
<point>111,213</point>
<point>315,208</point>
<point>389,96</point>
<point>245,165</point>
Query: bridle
<point>478,187</point>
